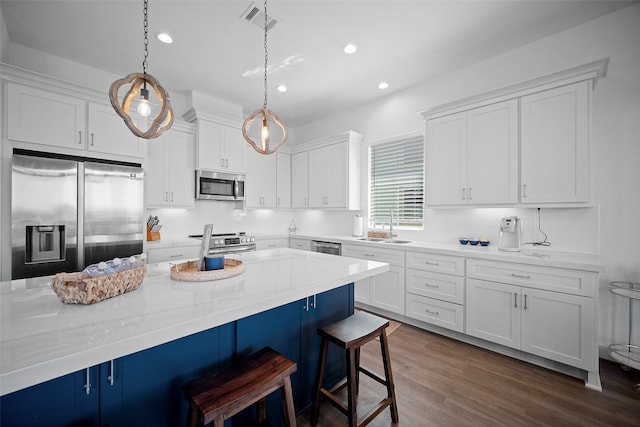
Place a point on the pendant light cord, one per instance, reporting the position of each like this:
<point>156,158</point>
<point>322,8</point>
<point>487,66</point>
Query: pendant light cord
<point>145,23</point>
<point>266,55</point>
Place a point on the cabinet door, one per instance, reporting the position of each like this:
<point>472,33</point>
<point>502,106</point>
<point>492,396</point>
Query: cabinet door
<point>302,244</point>
<point>62,401</point>
<point>493,312</point>
<point>554,145</point>
<point>492,154</point>
<point>362,291</point>
<point>253,183</point>
<point>181,169</point>
<point>156,180</point>
<point>300,180</point>
<point>234,150</point>
<point>336,175</point>
<point>42,117</point>
<point>559,327</point>
<point>156,255</point>
<point>109,134</point>
<point>387,290</point>
<point>269,180</point>
<point>445,160</point>
<point>209,144</point>
<point>317,179</point>
<point>283,180</point>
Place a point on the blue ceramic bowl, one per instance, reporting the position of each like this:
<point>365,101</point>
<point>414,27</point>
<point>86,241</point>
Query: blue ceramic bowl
<point>474,242</point>
<point>463,240</point>
<point>213,263</point>
<point>484,242</point>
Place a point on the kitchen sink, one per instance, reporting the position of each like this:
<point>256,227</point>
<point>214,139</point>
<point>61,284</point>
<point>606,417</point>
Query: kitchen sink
<point>372,239</point>
<point>397,241</point>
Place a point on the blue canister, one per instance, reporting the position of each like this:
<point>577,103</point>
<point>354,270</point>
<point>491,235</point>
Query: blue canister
<point>213,262</point>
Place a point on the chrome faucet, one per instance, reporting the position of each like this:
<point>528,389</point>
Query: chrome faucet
<point>392,234</point>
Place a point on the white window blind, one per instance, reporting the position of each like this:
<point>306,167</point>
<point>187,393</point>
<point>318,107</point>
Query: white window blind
<point>397,182</point>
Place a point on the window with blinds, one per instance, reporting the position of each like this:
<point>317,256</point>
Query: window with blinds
<point>397,182</point>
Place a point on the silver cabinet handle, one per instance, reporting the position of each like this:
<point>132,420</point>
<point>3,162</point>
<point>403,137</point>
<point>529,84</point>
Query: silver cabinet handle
<point>272,246</point>
<point>176,256</point>
<point>278,201</point>
<point>524,190</point>
<point>436,313</point>
<point>221,162</point>
<point>166,196</point>
<point>370,255</point>
<point>226,163</point>
<point>525,302</point>
<point>432,263</point>
<point>79,137</point>
<point>172,196</point>
<point>92,139</point>
<point>313,304</point>
<point>306,304</point>
<point>469,193</point>
<point>431,286</point>
<point>111,376</point>
<point>515,300</point>
<point>521,276</point>
<point>87,381</point>
<point>462,193</point>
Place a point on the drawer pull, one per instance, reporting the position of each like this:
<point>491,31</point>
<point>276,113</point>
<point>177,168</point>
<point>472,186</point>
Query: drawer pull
<point>431,286</point>
<point>176,256</point>
<point>521,276</point>
<point>272,245</point>
<point>87,381</point>
<point>525,301</point>
<point>435,313</point>
<point>370,255</point>
<point>111,376</point>
<point>431,263</point>
<point>515,300</point>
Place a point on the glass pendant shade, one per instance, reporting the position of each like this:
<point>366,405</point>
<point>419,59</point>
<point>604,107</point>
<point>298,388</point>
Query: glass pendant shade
<point>163,120</point>
<point>263,116</point>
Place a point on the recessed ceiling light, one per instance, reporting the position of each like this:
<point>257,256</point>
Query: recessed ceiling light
<point>164,38</point>
<point>383,85</point>
<point>350,48</point>
<point>281,88</point>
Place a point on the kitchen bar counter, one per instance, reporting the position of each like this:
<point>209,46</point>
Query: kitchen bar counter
<point>42,338</point>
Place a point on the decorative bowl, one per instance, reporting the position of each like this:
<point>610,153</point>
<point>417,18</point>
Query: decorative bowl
<point>484,242</point>
<point>473,241</point>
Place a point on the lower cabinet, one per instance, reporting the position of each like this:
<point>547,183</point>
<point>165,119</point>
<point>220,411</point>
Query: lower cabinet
<point>272,243</point>
<point>141,389</point>
<point>175,253</point>
<point>302,244</point>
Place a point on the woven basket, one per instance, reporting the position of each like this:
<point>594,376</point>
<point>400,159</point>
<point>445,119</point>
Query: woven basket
<point>77,288</point>
<point>188,271</point>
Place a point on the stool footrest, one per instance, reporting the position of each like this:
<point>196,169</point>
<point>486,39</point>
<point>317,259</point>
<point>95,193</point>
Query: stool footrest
<point>373,375</point>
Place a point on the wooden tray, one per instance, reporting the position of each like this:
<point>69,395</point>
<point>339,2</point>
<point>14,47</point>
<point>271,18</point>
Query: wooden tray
<point>188,271</point>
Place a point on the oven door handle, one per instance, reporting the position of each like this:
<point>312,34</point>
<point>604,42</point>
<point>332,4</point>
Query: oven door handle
<point>231,250</point>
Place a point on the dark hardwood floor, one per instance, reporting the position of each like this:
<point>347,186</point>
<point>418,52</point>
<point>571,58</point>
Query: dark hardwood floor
<point>443,382</point>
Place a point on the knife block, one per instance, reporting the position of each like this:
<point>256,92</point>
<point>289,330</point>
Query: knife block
<point>152,235</point>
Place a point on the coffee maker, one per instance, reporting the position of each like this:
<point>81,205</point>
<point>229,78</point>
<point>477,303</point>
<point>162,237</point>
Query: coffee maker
<point>510,234</point>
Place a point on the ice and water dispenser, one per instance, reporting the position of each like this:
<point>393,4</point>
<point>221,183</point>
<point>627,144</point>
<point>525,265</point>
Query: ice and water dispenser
<point>45,243</point>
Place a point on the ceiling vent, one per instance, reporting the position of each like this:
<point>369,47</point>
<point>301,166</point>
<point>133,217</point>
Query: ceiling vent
<point>255,16</point>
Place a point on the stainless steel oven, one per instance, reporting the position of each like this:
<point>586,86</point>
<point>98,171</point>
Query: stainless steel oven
<point>229,243</point>
<point>326,247</point>
<point>219,186</point>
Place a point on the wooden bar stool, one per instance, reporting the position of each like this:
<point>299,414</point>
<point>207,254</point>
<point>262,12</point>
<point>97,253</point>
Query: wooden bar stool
<point>351,334</point>
<point>213,399</point>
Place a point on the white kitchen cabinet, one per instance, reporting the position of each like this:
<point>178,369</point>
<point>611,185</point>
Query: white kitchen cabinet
<point>219,147</point>
<point>385,290</point>
<point>169,169</point>
<point>300,180</point>
<point>435,289</point>
<point>261,183</point>
<point>176,253</point>
<point>283,180</point>
<point>328,171</point>
<point>302,244</point>
<point>471,157</point>
<point>555,145</point>
<point>272,243</point>
<point>49,118</point>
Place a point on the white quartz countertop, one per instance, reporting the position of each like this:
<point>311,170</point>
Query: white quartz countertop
<point>41,338</point>
<point>529,255</point>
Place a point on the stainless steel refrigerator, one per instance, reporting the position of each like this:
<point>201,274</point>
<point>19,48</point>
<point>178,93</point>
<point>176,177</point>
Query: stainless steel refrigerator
<point>67,213</point>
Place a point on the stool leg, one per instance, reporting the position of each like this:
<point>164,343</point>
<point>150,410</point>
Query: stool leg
<point>352,402</point>
<point>261,411</point>
<point>386,361</point>
<point>315,412</point>
<point>192,417</point>
<point>357,371</point>
<point>287,400</point>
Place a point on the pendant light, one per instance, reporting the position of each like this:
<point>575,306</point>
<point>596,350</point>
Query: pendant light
<point>139,81</point>
<point>265,115</point>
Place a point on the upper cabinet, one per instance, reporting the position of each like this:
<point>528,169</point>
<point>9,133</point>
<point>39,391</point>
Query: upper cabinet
<point>334,173</point>
<point>472,157</point>
<point>300,180</point>
<point>219,147</point>
<point>555,145</point>
<point>526,144</point>
<point>283,180</point>
<point>260,186</point>
<point>169,169</point>
<point>38,116</point>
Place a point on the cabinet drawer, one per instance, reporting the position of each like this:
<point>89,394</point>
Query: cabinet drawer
<point>272,243</point>
<point>173,254</point>
<point>436,312</point>
<point>301,244</point>
<point>376,254</point>
<point>436,285</point>
<point>436,263</point>
<point>575,282</point>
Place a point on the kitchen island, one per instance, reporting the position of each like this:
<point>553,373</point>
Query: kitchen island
<point>282,295</point>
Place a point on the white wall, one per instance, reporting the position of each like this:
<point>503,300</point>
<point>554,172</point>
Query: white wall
<point>611,228</point>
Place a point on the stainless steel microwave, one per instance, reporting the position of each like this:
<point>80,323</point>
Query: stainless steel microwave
<point>219,186</point>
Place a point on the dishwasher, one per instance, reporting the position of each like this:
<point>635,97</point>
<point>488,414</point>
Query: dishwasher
<point>326,247</point>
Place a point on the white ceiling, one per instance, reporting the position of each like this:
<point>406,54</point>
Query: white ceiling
<point>401,42</point>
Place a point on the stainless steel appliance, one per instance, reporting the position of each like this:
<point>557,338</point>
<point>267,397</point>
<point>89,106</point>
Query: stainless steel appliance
<point>67,212</point>
<point>229,243</point>
<point>510,234</point>
<point>219,186</point>
<point>326,247</point>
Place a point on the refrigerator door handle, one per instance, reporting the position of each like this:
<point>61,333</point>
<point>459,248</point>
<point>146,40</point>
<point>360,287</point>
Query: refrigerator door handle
<point>80,219</point>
